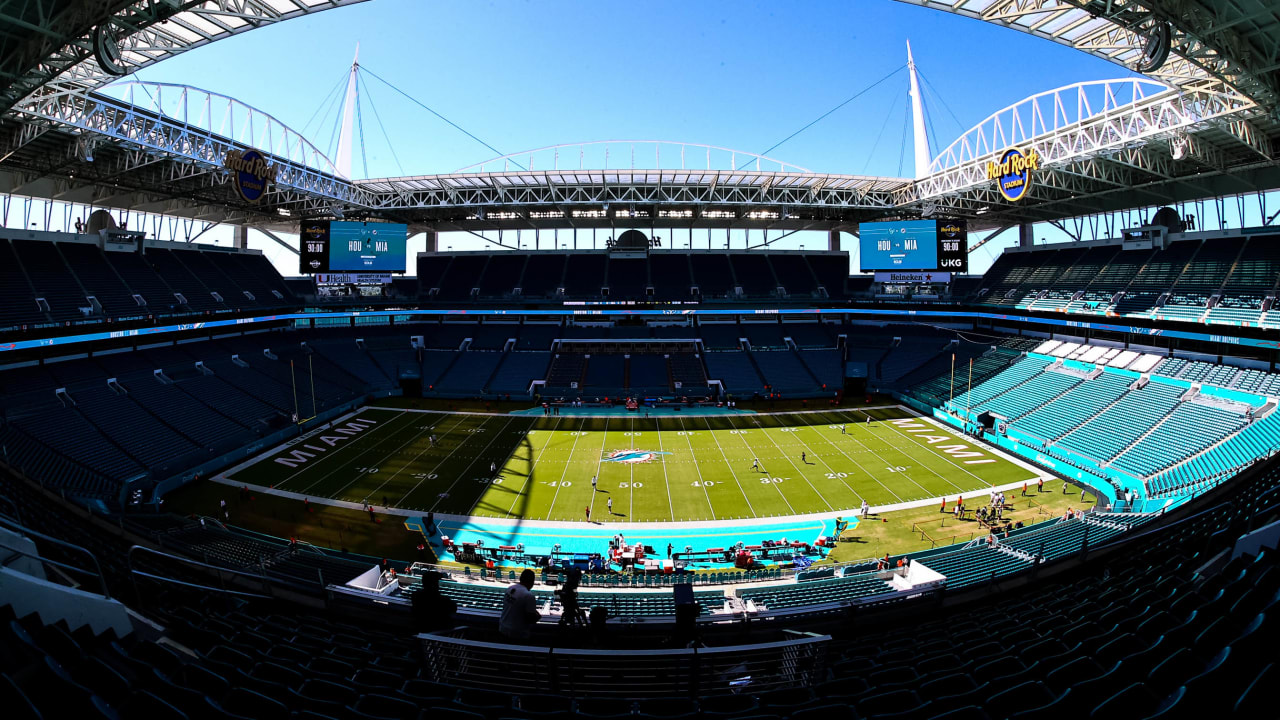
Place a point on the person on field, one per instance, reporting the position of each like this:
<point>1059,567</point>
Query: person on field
<point>588,513</point>
<point>755,463</point>
<point>609,505</point>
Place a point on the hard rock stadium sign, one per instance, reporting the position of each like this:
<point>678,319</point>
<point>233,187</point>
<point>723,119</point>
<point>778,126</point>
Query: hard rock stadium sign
<point>1013,173</point>
<point>250,173</point>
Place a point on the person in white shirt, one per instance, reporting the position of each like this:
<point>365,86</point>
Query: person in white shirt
<point>519,609</point>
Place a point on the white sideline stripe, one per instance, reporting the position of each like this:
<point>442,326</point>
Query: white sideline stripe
<point>628,528</point>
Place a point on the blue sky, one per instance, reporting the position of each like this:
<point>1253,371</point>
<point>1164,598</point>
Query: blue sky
<point>522,75</point>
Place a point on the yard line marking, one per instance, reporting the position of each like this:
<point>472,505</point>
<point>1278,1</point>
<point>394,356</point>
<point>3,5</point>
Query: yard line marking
<point>604,440</point>
<point>747,445</point>
<point>927,492</point>
<point>532,466</point>
<point>366,449</point>
<point>416,437</point>
<point>693,454</point>
<point>433,469</point>
<point>804,477</point>
<point>730,466</point>
<point>501,465</point>
<point>931,452</point>
<point>631,507</point>
<point>832,470</point>
<point>567,460</point>
<point>463,474</point>
<point>868,472</point>
<point>665,480</point>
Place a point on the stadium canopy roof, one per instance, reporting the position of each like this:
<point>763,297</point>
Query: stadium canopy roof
<point>49,45</point>
<point>1233,41</point>
<point>1206,125</point>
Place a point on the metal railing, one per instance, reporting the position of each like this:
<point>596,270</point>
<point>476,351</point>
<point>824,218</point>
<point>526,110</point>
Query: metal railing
<point>97,567</point>
<point>453,659</point>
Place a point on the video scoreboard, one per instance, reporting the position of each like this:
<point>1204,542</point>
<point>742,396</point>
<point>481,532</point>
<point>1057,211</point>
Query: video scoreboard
<point>346,246</point>
<point>914,245</point>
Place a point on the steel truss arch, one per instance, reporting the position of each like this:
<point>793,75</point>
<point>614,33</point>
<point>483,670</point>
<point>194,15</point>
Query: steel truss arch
<point>60,58</point>
<point>1116,147</point>
<point>1231,41</point>
<point>713,155</point>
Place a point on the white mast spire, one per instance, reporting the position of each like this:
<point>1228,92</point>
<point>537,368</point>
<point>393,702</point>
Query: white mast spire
<point>923,154</point>
<point>348,114</point>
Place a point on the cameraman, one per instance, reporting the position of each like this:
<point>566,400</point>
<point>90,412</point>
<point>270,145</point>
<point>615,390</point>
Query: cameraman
<point>571,613</point>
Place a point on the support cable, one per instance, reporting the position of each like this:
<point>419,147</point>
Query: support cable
<point>364,154</point>
<point>876,145</point>
<point>823,116</point>
<point>451,123</point>
<point>394,156</point>
<point>329,98</point>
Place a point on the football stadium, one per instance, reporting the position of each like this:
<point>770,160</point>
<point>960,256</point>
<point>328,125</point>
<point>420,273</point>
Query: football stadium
<point>355,416</point>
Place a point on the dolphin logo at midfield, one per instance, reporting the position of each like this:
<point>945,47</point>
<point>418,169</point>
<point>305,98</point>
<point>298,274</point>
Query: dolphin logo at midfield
<point>633,456</point>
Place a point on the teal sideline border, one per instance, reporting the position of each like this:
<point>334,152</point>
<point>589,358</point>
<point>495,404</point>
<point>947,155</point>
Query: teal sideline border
<point>565,312</point>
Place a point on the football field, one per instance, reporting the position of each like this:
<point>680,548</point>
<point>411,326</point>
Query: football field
<point>668,468</point>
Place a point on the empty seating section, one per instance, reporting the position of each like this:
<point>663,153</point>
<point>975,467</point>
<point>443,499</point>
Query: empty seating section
<point>721,336</point>
<point>1075,278</point>
<point>152,443</point>
<point>1206,273</point>
<point>793,273</point>
<point>753,274</point>
<point>502,275</point>
<point>536,337</point>
<point>17,298</point>
<point>1018,373</point>
<point>670,276</point>
<point>470,373</point>
<point>784,373</point>
<point>491,336</point>
<point>463,275</point>
<point>51,279</point>
<point>1001,281</point>
<point>518,370</point>
<point>1155,278</point>
<point>687,370</point>
<point>431,270</point>
<point>1188,431</point>
<point>214,279</point>
<point>935,381</point>
<point>566,369</point>
<point>176,275</point>
<point>1257,439</point>
<point>808,335</point>
<point>764,335</point>
<point>648,374</point>
<point>1060,415</point>
<point>1045,275</point>
<point>584,276</point>
<point>1113,278</point>
<point>1106,434</point>
<point>179,410</point>
<point>712,274</point>
<point>832,272</point>
<point>1215,281</point>
<point>628,279</point>
<point>604,372</point>
<point>543,275</point>
<point>100,281</point>
<point>143,279</point>
<point>65,431</point>
<point>827,366</point>
<point>1035,392</point>
<point>815,592</point>
<point>435,363</point>
<point>735,370</point>
<point>907,355</point>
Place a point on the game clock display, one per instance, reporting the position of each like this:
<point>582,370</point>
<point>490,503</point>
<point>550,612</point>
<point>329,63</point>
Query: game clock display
<point>914,245</point>
<point>343,246</point>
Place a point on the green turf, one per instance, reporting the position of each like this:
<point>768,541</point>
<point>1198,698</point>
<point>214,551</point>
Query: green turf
<point>545,465</point>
